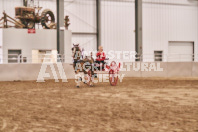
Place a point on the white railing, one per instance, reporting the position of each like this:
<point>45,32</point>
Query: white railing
<point>161,58</point>
<point>53,58</point>
<point>35,58</point>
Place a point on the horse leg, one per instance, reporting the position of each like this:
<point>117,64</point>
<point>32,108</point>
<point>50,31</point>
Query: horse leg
<point>85,79</point>
<point>88,78</point>
<point>78,79</point>
<point>91,82</point>
<point>92,78</point>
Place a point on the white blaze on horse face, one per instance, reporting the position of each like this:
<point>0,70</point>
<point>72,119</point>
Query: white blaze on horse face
<point>77,54</point>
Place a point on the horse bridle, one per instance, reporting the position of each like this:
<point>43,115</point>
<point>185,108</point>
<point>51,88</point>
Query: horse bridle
<point>74,53</point>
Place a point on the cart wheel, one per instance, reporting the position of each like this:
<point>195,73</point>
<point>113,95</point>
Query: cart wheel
<point>113,74</point>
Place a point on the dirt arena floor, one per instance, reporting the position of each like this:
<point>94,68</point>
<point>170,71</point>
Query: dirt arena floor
<point>136,105</point>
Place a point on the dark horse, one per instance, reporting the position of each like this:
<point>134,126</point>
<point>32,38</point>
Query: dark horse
<point>82,65</point>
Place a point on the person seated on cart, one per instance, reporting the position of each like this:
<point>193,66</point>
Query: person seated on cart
<point>100,56</point>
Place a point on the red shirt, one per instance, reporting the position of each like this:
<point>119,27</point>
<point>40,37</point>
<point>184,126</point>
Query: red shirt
<point>100,56</point>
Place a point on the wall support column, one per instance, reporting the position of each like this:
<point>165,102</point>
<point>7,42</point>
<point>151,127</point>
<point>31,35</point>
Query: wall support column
<point>98,22</point>
<point>138,27</point>
<point>25,3</point>
<point>60,26</point>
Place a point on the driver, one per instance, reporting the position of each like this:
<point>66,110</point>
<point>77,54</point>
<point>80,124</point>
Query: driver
<point>100,56</point>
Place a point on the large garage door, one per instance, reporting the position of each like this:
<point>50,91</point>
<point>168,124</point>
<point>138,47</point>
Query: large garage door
<point>180,51</point>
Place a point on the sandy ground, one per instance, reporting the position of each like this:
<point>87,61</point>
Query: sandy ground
<point>136,105</point>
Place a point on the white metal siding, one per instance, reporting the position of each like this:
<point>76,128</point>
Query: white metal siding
<point>88,42</point>
<point>163,21</point>
<point>28,42</point>
<point>82,14</point>
<point>118,25</point>
<point>169,21</point>
<point>1,50</point>
<point>9,6</point>
<point>180,51</point>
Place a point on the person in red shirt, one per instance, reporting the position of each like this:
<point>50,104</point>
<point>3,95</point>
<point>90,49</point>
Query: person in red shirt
<point>100,56</point>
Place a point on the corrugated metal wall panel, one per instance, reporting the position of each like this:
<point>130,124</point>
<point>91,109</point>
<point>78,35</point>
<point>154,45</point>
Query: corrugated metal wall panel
<point>47,4</point>
<point>118,25</point>
<point>1,50</point>
<point>88,42</point>
<point>9,6</point>
<point>82,14</point>
<point>175,2</point>
<point>163,23</point>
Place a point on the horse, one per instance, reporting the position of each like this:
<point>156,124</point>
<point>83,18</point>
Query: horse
<point>80,64</point>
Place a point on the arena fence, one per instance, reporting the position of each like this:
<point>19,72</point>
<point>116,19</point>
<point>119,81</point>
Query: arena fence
<point>53,58</point>
<point>25,72</point>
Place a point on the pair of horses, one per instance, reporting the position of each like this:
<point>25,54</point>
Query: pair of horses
<point>87,65</point>
<point>84,65</point>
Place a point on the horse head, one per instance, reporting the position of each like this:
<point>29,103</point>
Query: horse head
<point>76,52</point>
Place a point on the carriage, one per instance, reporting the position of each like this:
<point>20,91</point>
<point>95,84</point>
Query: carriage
<point>94,68</point>
<point>112,70</point>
